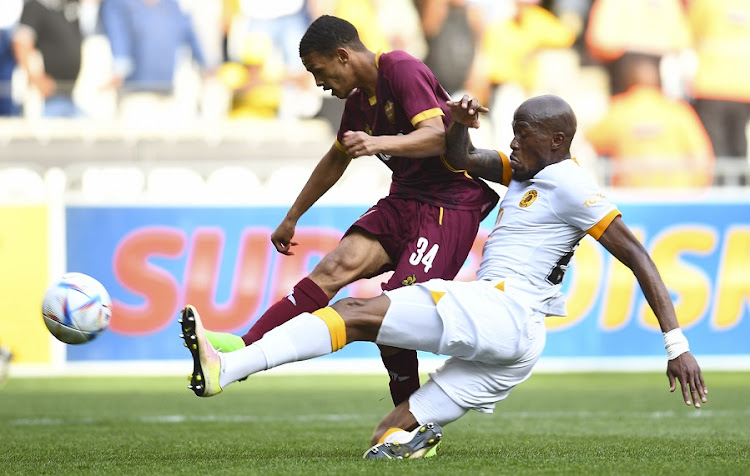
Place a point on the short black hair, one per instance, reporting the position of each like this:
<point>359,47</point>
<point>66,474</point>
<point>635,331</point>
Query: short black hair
<point>328,33</point>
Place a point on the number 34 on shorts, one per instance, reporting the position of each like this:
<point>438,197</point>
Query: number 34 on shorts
<point>425,254</point>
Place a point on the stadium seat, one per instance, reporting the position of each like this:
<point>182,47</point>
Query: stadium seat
<point>284,184</point>
<point>365,181</point>
<point>101,184</point>
<point>234,183</point>
<point>175,184</point>
<point>21,185</point>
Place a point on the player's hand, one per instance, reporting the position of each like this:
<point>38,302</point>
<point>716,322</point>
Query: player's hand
<point>358,143</point>
<point>466,111</point>
<point>685,369</point>
<point>282,238</point>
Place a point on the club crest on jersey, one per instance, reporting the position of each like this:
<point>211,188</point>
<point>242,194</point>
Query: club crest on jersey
<point>389,112</point>
<point>528,199</point>
<point>410,280</point>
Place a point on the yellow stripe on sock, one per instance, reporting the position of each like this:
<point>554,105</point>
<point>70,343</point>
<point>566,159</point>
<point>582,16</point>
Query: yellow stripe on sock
<point>336,326</point>
<point>389,431</point>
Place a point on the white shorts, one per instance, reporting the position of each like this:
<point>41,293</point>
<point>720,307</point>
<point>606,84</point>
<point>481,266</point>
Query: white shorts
<point>494,338</point>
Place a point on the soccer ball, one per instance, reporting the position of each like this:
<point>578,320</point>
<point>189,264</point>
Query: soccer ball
<point>76,308</point>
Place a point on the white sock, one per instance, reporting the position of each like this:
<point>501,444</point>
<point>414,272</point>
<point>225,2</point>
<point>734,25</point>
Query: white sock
<point>241,363</point>
<point>301,338</point>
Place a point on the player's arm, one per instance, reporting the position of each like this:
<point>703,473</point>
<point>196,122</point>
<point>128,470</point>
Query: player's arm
<point>620,241</point>
<point>328,171</point>
<point>426,140</point>
<point>461,154</point>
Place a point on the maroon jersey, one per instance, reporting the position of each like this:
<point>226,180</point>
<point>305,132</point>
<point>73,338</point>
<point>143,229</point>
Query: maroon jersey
<point>407,93</point>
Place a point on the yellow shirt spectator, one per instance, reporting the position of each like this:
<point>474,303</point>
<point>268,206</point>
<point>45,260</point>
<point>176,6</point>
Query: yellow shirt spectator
<point>652,27</point>
<point>653,141</point>
<point>510,44</point>
<point>721,30</point>
<point>362,14</point>
<point>256,83</point>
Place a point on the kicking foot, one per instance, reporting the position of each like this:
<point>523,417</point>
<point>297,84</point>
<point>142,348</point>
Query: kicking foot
<point>424,443</point>
<point>204,380</point>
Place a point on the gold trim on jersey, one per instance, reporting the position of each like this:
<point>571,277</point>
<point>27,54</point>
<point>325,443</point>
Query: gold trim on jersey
<point>597,230</point>
<point>372,100</point>
<point>451,169</point>
<point>507,171</point>
<point>440,218</point>
<point>340,146</point>
<point>428,114</point>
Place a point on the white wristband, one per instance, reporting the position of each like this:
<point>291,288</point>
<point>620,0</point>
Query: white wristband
<point>676,343</point>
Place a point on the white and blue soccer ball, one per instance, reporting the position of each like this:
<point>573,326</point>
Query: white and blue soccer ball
<point>76,308</point>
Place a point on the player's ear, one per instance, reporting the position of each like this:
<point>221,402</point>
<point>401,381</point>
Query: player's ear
<point>557,140</point>
<point>343,55</point>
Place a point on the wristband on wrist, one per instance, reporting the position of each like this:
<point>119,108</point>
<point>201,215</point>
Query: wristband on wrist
<point>676,343</point>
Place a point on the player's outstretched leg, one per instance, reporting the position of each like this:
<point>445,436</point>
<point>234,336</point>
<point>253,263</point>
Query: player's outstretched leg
<point>423,442</point>
<point>204,380</point>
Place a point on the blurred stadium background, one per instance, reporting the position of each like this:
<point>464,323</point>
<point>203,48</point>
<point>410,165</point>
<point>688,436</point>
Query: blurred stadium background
<point>168,196</point>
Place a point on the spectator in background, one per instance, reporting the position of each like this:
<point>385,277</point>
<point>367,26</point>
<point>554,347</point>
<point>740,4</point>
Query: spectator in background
<point>284,22</point>
<point>9,15</point>
<point>256,83</point>
<point>650,28</point>
<point>453,30</point>
<point>146,38</point>
<point>651,140</point>
<point>510,51</point>
<point>363,15</point>
<point>721,87</point>
<point>50,28</point>
<point>575,15</point>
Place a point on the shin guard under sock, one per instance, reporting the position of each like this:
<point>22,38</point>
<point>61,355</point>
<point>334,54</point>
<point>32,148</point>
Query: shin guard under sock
<point>305,297</point>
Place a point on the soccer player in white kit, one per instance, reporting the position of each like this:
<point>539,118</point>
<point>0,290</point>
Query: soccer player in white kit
<point>493,327</point>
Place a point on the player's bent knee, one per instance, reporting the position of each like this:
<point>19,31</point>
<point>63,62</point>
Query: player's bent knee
<point>362,317</point>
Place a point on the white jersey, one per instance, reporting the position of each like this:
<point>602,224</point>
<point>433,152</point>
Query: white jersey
<point>538,227</point>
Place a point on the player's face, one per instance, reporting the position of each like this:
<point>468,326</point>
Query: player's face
<point>530,147</point>
<point>330,73</point>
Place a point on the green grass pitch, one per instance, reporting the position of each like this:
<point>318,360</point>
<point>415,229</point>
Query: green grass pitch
<point>577,424</point>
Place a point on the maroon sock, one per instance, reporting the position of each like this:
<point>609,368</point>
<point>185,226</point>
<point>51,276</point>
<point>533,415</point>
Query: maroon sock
<point>306,297</point>
<point>403,369</point>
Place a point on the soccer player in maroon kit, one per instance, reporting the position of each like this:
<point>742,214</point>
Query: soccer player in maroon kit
<point>395,110</point>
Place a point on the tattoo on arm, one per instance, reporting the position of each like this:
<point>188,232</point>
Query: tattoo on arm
<point>458,146</point>
<point>462,155</point>
<point>486,163</point>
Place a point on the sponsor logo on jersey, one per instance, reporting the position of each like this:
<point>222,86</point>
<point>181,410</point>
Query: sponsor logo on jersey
<point>410,280</point>
<point>528,199</point>
<point>389,111</point>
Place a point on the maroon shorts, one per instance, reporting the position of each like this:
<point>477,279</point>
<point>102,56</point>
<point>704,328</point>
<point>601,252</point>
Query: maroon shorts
<point>423,241</point>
